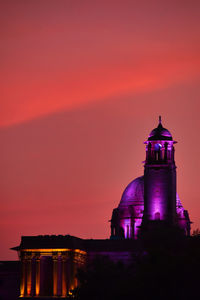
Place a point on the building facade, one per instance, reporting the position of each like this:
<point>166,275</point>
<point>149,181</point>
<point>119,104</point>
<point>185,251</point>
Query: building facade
<point>152,199</point>
<point>49,263</point>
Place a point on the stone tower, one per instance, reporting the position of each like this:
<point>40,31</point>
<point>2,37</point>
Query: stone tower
<point>159,177</point>
<point>152,200</point>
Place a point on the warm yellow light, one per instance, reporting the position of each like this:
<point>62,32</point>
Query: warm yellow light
<point>55,277</point>
<point>80,251</point>
<point>37,283</point>
<point>22,290</point>
<point>45,250</point>
<point>28,283</point>
<point>54,250</point>
<point>22,281</point>
<point>28,289</point>
<point>37,289</point>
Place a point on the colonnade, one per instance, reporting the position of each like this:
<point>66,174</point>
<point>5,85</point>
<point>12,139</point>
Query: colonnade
<point>49,272</point>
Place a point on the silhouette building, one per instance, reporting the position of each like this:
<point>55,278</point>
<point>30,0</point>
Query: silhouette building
<point>49,263</point>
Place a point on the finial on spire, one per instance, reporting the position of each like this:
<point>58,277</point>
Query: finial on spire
<point>160,120</point>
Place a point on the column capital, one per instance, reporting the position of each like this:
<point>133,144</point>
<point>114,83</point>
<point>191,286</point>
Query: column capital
<point>28,255</point>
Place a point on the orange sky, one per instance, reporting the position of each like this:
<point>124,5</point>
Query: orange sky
<point>82,84</point>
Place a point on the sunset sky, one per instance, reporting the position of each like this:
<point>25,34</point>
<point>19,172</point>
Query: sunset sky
<point>82,84</point>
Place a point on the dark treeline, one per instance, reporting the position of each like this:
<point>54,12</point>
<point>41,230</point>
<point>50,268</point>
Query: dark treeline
<point>167,267</point>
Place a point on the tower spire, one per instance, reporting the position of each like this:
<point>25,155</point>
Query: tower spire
<point>160,121</point>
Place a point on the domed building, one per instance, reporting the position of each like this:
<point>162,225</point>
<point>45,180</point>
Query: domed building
<point>152,197</point>
<point>127,217</point>
<point>49,263</point>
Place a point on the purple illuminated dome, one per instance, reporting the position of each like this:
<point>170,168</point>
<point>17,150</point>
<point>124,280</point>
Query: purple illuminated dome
<point>133,193</point>
<point>152,199</point>
<point>160,133</point>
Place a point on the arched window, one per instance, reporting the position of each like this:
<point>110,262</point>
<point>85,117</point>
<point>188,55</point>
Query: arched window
<point>157,149</point>
<point>157,216</point>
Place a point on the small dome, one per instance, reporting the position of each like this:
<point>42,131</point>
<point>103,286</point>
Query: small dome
<point>160,133</point>
<point>133,193</point>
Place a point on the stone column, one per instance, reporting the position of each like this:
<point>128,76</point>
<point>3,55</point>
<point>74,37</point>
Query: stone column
<point>33,275</point>
<point>28,274</point>
<point>133,229</point>
<point>55,274</point>
<point>64,276</point>
<point>59,274</point>
<point>72,270</point>
<point>37,275</point>
<point>23,276</point>
<point>76,265</point>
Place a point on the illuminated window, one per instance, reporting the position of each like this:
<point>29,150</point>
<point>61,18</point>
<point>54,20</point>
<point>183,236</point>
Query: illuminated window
<point>157,216</point>
<point>157,147</point>
<point>127,232</point>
